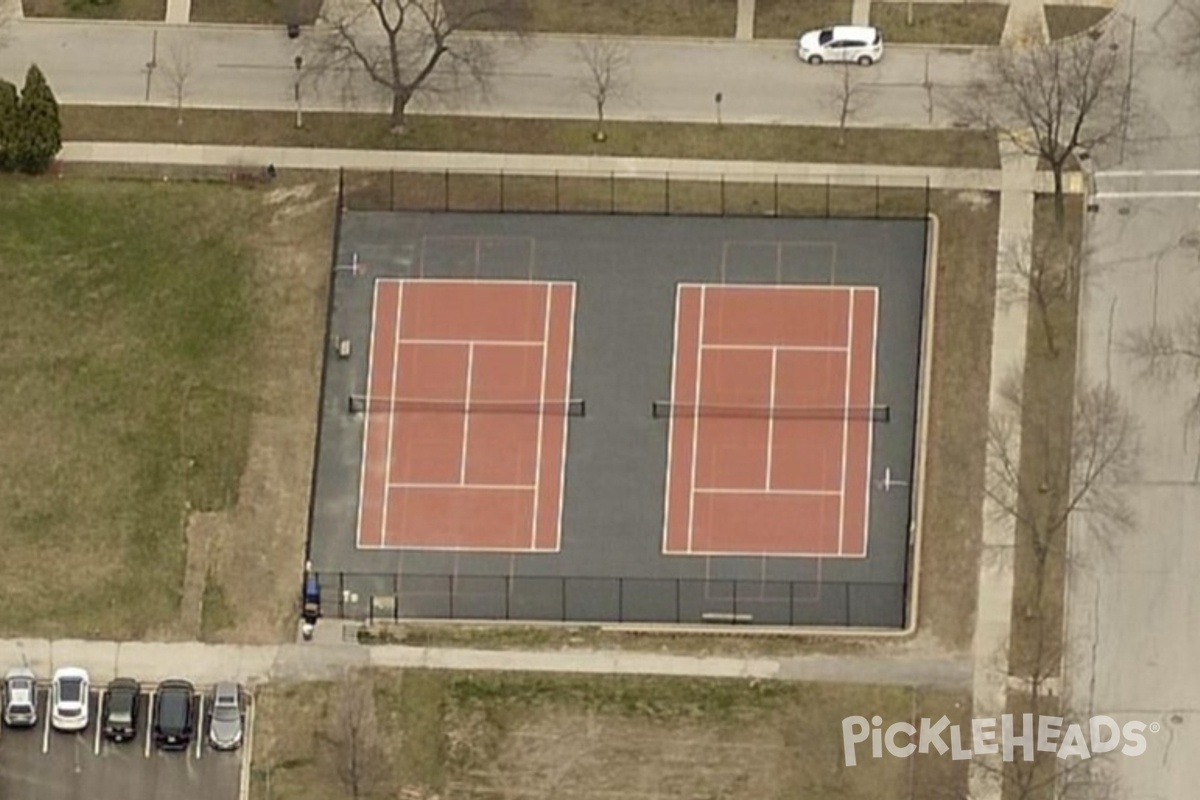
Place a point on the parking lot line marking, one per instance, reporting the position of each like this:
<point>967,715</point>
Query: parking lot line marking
<point>199,726</point>
<point>149,722</point>
<point>247,750</point>
<point>46,726</point>
<point>99,718</point>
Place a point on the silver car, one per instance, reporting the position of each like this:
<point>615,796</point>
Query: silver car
<point>226,716</point>
<point>20,698</point>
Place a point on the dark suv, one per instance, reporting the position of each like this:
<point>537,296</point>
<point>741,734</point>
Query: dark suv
<point>121,704</point>
<point>173,715</point>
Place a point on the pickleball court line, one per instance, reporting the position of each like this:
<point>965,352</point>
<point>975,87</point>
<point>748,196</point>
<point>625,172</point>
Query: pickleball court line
<point>362,475</point>
<point>466,426</point>
<point>387,467</point>
<point>846,421</point>
<point>787,348</point>
<point>696,418</point>
<point>670,483</point>
<point>516,487</point>
<point>541,424</point>
<point>771,416</point>
<point>870,428</point>
<point>566,428</point>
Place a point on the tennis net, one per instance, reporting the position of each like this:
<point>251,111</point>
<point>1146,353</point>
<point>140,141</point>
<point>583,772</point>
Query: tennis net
<point>666,410</point>
<point>360,404</point>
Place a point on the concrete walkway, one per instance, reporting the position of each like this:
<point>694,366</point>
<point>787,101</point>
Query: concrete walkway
<point>745,19</point>
<point>237,157</point>
<point>205,664</point>
<point>179,12</point>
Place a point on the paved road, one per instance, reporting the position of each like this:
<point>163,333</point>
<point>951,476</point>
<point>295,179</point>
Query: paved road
<point>669,80</point>
<point>1135,612</point>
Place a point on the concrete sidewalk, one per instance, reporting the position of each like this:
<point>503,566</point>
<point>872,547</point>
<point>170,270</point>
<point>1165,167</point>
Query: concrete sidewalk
<point>205,664</point>
<point>236,157</point>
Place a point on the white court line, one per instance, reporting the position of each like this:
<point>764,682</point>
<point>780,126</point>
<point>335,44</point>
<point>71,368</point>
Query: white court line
<point>199,726</point>
<point>465,342</point>
<point>771,415</point>
<point>475,281</point>
<point>787,348</point>
<point>566,423</point>
<point>761,554</point>
<point>537,457</point>
<point>671,420</point>
<point>513,487</point>
<point>426,548</point>
<point>46,720</point>
<point>798,492</point>
<point>149,721</point>
<point>696,417</point>
<point>846,421</point>
<point>362,477</point>
<point>870,427</point>
<point>466,434</point>
<point>773,287</point>
<point>387,467</point>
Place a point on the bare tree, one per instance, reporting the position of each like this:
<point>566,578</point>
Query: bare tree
<point>1077,462</point>
<point>1167,354</point>
<point>1189,45</point>
<point>1053,100</point>
<point>1048,276</point>
<point>178,68</point>
<point>607,66</point>
<point>845,95</point>
<point>357,750</point>
<point>407,47</point>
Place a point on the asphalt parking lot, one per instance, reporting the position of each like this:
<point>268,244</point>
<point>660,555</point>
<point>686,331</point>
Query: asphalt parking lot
<point>41,763</point>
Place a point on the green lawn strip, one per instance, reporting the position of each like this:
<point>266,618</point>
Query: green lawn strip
<point>155,10</point>
<point>700,18</point>
<point>1064,21</point>
<point>498,734</point>
<point>126,315</point>
<point>940,148</point>
<point>940,23</point>
<point>787,19</point>
<point>1046,425</point>
<point>262,12</point>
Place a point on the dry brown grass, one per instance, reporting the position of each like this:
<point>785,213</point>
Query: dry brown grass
<point>591,737</point>
<point>787,19</point>
<point>116,9</point>
<point>704,18</point>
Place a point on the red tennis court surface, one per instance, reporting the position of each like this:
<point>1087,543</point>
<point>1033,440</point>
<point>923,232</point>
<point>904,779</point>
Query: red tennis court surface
<point>768,483</point>
<point>466,430</point>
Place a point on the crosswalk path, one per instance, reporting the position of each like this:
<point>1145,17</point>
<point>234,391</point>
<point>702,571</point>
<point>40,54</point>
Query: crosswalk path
<point>1147,184</point>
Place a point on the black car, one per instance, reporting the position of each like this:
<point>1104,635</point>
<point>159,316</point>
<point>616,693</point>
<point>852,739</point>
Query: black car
<point>174,706</point>
<point>121,705</point>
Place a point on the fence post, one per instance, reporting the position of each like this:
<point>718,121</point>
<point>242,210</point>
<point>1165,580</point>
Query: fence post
<point>667,194</point>
<point>828,181</point>
<point>722,194</point>
<point>775,211</point>
<point>501,191</point>
<point>391,190</point>
<point>791,603</point>
<point>735,585</point>
<point>612,192</point>
<point>450,594</point>
<point>678,608</point>
<point>446,189</point>
<point>564,599</point>
<point>395,597</point>
<point>342,595</point>
<point>507,595</point>
<point>620,599</point>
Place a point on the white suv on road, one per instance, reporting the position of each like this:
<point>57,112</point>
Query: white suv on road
<point>848,43</point>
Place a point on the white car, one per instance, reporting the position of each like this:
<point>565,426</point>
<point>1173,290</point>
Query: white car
<point>69,699</point>
<point>20,698</point>
<point>856,44</point>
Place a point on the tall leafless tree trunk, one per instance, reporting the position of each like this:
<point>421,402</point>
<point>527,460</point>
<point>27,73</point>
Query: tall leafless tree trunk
<point>178,68</point>
<point>845,97</point>
<point>607,66</point>
<point>1054,100</point>
<point>356,747</point>
<point>409,47</point>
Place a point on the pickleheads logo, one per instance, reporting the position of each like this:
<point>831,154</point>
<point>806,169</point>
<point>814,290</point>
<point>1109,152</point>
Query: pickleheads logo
<point>901,739</point>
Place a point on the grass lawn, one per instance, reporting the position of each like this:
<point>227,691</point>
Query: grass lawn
<point>940,23</point>
<point>265,12</point>
<point>148,341</point>
<point>942,148</point>
<point>84,9</point>
<point>1046,430</point>
<point>787,19</point>
<point>432,734</point>
<point>1064,21</point>
<point>704,18</point>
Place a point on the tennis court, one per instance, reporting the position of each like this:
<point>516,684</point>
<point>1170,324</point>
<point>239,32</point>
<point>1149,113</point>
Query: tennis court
<point>588,418</point>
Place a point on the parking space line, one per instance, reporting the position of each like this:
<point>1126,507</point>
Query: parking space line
<point>200,727</point>
<point>149,723</point>
<point>247,749</point>
<point>97,721</point>
<point>46,724</point>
